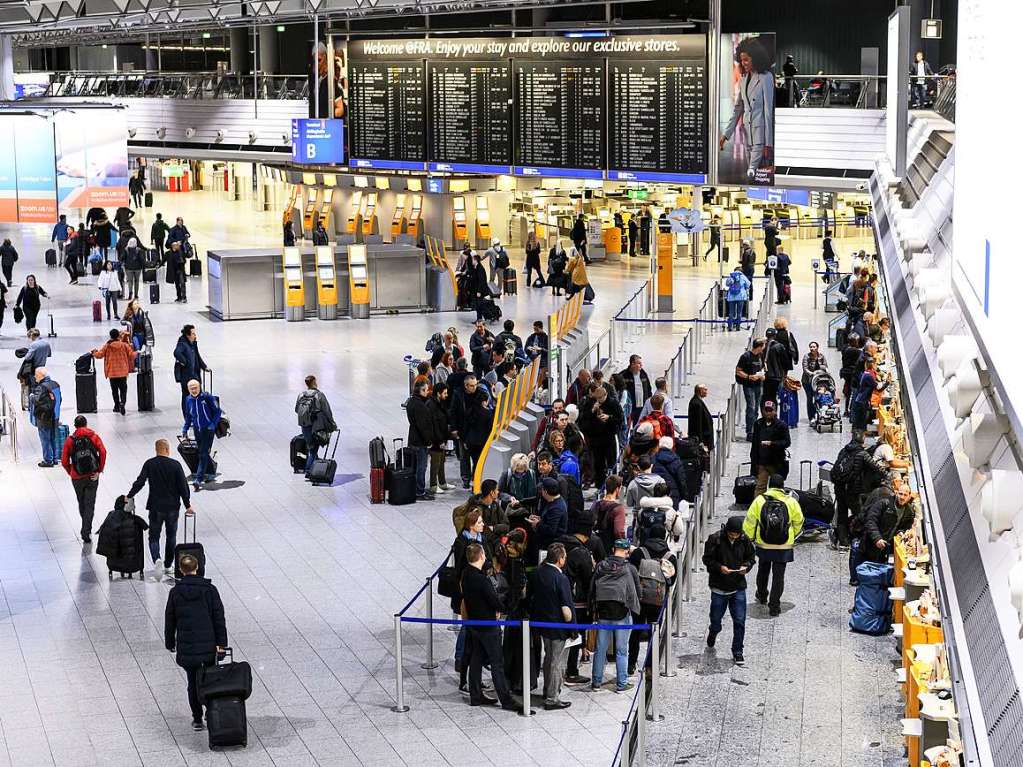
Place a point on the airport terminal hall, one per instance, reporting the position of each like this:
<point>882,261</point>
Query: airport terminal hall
<point>468,383</point>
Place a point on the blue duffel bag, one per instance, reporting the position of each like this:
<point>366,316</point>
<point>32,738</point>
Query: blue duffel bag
<point>872,605</point>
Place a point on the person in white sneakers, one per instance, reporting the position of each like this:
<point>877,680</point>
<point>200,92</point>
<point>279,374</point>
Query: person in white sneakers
<point>168,489</point>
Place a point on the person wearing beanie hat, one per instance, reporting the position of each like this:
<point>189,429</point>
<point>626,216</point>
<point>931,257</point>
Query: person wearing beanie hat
<point>728,555</point>
<point>613,600</point>
<point>551,520</point>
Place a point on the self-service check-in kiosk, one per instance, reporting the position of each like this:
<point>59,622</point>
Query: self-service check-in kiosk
<point>312,205</point>
<point>358,281</point>
<point>370,225</point>
<point>294,285</point>
<point>415,218</point>
<point>351,226</point>
<point>460,229</point>
<point>483,235</point>
<point>398,219</point>
<point>325,208</point>
<point>326,283</point>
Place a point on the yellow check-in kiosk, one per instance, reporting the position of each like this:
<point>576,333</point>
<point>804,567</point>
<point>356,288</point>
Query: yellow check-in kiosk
<point>294,285</point>
<point>312,205</point>
<point>351,226</point>
<point>483,235</point>
<point>415,217</point>
<point>326,282</point>
<point>398,219</point>
<point>459,227</point>
<point>369,225</point>
<point>358,281</point>
<point>664,269</point>
<point>325,208</point>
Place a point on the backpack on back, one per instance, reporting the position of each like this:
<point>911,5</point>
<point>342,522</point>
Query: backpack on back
<point>573,498</point>
<point>842,470</point>
<point>650,517</point>
<point>653,581</point>
<point>306,409</point>
<point>656,423</point>
<point>84,455</point>
<point>45,406</point>
<point>774,522</point>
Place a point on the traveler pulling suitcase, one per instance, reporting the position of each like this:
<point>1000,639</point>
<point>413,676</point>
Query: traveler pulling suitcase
<point>511,281</point>
<point>323,469</point>
<point>400,476</point>
<point>85,384</point>
<point>144,383</point>
<point>193,548</point>
<point>298,452</point>
<point>51,257</point>
<point>188,449</point>
<point>745,487</point>
<point>97,311</point>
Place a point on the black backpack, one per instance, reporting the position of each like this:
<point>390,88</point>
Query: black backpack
<point>84,455</point>
<point>845,464</point>
<point>650,517</point>
<point>774,521</point>
<point>45,406</point>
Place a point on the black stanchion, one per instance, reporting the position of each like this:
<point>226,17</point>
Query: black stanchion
<point>52,333</point>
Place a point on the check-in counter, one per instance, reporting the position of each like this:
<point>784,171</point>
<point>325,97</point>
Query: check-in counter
<point>248,284</point>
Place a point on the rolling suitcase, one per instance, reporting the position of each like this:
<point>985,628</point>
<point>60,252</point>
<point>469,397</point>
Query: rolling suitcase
<point>377,489</point>
<point>225,679</point>
<point>323,469</point>
<point>189,452</point>
<point>490,311</point>
<point>511,281</point>
<point>816,504</point>
<point>149,274</point>
<point>154,292</point>
<point>193,548</point>
<point>693,468</point>
<point>226,722</point>
<point>51,258</point>
<point>745,487</point>
<point>60,437</point>
<point>85,392</point>
<point>144,383</point>
<point>97,311</point>
<point>298,452</point>
<point>400,476</point>
<point>148,199</point>
<point>195,268</point>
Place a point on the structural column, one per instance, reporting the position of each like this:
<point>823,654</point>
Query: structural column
<point>268,50</point>
<point>239,50</point>
<point>6,68</point>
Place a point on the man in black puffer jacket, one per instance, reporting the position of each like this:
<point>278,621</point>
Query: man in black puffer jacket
<point>420,434</point>
<point>194,626</point>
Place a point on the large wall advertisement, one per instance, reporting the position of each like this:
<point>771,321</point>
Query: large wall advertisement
<point>746,143</point>
<point>53,164</point>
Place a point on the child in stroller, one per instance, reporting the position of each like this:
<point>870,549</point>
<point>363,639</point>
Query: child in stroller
<point>826,399</point>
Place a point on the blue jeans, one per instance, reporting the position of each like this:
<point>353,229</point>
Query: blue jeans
<point>735,314</point>
<point>752,395</point>
<point>204,440</point>
<point>736,605</point>
<point>48,443</point>
<point>312,449</point>
<point>422,463</point>
<point>621,652</point>
<point>169,522</point>
<point>859,415</point>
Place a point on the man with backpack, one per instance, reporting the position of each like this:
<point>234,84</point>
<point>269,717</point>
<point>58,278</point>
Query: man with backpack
<point>613,599</point>
<point>582,551</point>
<point>314,418</point>
<point>609,513</point>
<point>83,457</point>
<point>772,522</point>
<point>656,564</point>
<point>642,486</point>
<point>749,374</point>
<point>737,295</point>
<point>44,413</point>
<point>853,473</point>
<point>662,423</point>
<point>728,555</point>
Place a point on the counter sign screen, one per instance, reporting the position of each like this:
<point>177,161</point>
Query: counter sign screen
<point>317,142</point>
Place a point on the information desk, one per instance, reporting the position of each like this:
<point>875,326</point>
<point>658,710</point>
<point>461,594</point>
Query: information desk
<point>248,284</point>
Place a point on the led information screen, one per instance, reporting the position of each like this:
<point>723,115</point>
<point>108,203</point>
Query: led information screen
<point>470,116</point>
<point>559,115</point>
<point>658,120</point>
<point>317,141</point>
<point>388,114</point>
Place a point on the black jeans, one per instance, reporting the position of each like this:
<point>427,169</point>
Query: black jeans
<point>9,274</point>
<point>179,283</point>
<point>119,390</point>
<point>158,246</point>
<point>604,454</point>
<point>85,491</point>
<point>770,391</point>
<point>486,643</point>
<point>193,692</point>
<point>775,571</point>
<point>71,267</point>
<point>847,508</point>
<point>468,459</point>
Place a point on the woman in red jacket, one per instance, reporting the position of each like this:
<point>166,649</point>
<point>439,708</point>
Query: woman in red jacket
<point>118,357</point>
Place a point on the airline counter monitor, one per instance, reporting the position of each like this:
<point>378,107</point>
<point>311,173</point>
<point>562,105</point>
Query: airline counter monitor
<point>370,225</point>
<point>294,285</point>
<point>351,226</point>
<point>358,278</point>
<point>399,218</point>
<point>326,283</point>
<point>483,234</point>
<point>459,228</point>
<point>311,207</point>
<point>415,218</point>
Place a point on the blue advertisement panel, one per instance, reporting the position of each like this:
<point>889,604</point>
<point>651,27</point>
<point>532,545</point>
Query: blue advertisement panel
<point>319,142</point>
<point>545,172</point>
<point>785,196</point>
<point>36,176</point>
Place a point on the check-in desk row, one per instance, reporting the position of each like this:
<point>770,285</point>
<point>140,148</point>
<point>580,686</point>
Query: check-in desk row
<point>250,283</point>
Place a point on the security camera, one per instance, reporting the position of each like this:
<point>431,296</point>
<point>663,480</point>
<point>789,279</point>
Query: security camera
<point>160,133</point>
<point>220,136</point>
<point>132,132</point>
<point>252,137</point>
<point>861,187</point>
<point>189,132</point>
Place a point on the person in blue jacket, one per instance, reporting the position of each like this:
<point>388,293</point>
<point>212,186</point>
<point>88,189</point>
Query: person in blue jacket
<point>737,294</point>
<point>552,521</point>
<point>60,237</point>
<point>202,414</point>
<point>44,414</point>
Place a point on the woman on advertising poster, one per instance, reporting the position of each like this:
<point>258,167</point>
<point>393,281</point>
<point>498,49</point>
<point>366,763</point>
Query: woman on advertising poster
<point>755,107</point>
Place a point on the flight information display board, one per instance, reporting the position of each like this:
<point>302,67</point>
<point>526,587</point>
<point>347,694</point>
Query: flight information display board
<point>559,118</point>
<point>387,123</point>
<point>658,121</point>
<point>470,127</point>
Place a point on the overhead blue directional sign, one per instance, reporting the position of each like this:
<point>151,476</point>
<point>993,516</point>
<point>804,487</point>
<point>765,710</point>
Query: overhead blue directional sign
<point>318,142</point>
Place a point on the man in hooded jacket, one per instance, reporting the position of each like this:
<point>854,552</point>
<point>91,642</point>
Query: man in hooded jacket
<point>728,555</point>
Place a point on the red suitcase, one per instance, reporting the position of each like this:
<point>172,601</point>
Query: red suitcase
<point>97,311</point>
<point>376,485</point>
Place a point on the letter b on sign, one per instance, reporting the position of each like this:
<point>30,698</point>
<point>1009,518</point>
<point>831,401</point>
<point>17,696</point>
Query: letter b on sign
<point>310,151</point>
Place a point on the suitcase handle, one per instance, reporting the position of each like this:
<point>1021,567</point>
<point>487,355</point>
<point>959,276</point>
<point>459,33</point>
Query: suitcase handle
<point>738,472</point>
<point>803,464</point>
<point>225,656</point>
<point>184,530</point>
<point>208,388</point>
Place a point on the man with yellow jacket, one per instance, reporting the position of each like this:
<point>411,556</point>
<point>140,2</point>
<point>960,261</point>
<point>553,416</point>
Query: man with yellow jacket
<point>773,521</point>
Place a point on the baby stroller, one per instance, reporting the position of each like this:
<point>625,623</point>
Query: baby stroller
<point>825,397</point>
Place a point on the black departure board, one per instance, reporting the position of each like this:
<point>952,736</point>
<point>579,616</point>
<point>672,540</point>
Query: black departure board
<point>559,116</point>
<point>387,123</point>
<point>658,118</point>
<point>470,116</point>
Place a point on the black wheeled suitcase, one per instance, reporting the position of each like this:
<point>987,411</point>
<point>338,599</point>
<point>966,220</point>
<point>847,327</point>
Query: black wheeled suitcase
<point>298,452</point>
<point>226,722</point>
<point>490,311</point>
<point>149,275</point>
<point>511,281</point>
<point>400,476</point>
<point>693,468</point>
<point>148,199</point>
<point>194,267</point>
<point>188,449</point>
<point>323,469</point>
<point>190,548</point>
<point>154,292</point>
<point>51,257</point>
<point>745,487</point>
<point>225,679</point>
<point>144,383</point>
<point>815,503</point>
<point>85,392</point>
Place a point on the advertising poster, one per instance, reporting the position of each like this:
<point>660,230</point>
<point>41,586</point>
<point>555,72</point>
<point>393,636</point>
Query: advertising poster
<point>339,80</point>
<point>746,141</point>
<point>92,166</point>
<point>37,188</point>
<point>8,175</point>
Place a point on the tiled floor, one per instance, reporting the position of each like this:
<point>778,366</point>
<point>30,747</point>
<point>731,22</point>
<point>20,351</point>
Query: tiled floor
<point>310,576</point>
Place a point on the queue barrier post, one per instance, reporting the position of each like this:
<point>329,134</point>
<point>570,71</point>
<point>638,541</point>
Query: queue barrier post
<point>655,664</point>
<point>399,682</point>
<point>430,662</point>
<point>526,658</point>
<point>666,628</point>
<point>641,722</point>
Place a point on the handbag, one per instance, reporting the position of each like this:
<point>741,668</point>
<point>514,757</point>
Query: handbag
<point>447,583</point>
<point>19,314</point>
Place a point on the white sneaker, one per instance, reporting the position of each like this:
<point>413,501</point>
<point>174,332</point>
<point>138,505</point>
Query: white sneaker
<point>437,490</point>
<point>168,571</point>
<point>446,486</point>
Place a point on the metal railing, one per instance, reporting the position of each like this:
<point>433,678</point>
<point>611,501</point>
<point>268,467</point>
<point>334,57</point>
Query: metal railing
<point>638,307</point>
<point>598,356</point>
<point>9,423</point>
<point>703,324</point>
<point>177,85</point>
